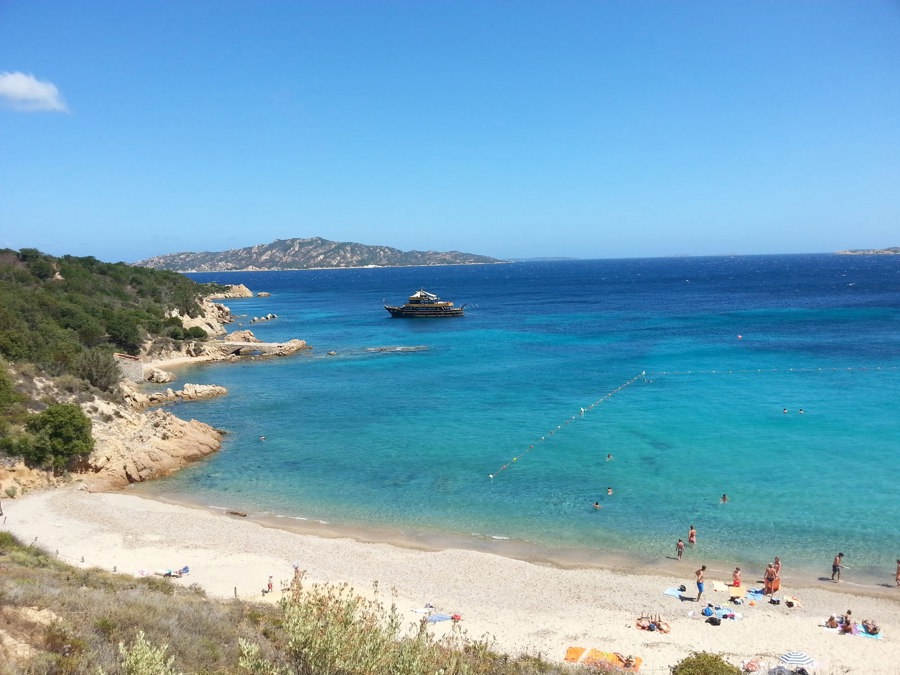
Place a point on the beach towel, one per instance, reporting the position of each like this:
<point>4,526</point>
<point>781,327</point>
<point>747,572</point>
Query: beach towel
<point>437,616</point>
<point>723,613</point>
<point>719,586</point>
<point>756,594</point>
<point>573,654</point>
<point>595,657</point>
<point>675,592</point>
<point>859,630</point>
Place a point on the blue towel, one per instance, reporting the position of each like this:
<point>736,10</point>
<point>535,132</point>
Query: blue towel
<point>673,592</point>
<point>434,618</point>
<point>862,631</point>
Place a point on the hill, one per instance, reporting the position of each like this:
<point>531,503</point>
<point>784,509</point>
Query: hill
<point>313,253</point>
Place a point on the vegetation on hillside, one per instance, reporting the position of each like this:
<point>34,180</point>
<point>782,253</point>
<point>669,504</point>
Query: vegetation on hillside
<point>92,621</point>
<point>64,318</point>
<point>54,311</point>
<point>312,253</point>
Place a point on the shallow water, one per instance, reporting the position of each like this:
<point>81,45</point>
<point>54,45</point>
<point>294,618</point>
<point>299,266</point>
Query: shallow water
<point>680,368</point>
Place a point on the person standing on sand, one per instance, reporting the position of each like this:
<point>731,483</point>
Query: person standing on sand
<point>836,566</point>
<point>897,576</point>
<point>679,551</point>
<point>700,574</point>
<point>692,535</point>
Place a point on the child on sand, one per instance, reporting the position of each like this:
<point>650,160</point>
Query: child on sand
<point>736,577</point>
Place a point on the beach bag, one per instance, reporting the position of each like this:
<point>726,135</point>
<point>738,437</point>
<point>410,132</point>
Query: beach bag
<point>707,611</point>
<point>682,588</point>
<point>714,621</point>
<point>775,601</point>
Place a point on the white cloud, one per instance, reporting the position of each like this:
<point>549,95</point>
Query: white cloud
<point>25,92</point>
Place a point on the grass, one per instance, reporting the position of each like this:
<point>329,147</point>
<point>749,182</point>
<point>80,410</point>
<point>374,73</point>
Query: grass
<point>61,620</point>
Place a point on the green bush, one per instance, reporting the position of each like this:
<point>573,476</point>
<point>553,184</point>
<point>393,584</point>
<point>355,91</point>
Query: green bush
<point>60,433</point>
<point>704,664</point>
<point>99,367</point>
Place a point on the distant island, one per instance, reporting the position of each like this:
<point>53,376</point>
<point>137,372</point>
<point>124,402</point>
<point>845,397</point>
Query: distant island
<point>894,250</point>
<point>313,253</point>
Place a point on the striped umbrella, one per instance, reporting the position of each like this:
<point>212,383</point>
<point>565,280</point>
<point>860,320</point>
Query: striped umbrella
<point>796,659</point>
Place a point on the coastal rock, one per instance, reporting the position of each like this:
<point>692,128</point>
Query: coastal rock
<point>158,376</point>
<point>190,392</point>
<point>263,294</point>
<point>132,446</point>
<point>234,291</point>
<point>267,317</point>
<point>243,336</point>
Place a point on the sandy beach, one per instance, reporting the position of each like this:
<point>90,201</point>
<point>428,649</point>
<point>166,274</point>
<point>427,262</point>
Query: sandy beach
<point>526,607</point>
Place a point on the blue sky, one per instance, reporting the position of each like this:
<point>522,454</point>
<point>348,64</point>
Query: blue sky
<point>513,129</point>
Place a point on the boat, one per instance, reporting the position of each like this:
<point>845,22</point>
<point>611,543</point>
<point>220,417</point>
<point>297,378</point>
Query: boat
<point>424,305</point>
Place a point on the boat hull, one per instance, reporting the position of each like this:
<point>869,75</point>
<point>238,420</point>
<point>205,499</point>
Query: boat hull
<point>423,311</point>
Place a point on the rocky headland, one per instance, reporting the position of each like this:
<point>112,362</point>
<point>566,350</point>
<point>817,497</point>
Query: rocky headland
<point>134,438</point>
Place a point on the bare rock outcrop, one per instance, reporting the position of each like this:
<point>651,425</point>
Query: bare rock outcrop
<point>234,291</point>
<point>158,376</point>
<point>132,446</point>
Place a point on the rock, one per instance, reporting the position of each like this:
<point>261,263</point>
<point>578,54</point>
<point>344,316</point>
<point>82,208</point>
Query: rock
<point>243,336</point>
<point>132,446</point>
<point>158,376</point>
<point>263,294</point>
<point>234,291</point>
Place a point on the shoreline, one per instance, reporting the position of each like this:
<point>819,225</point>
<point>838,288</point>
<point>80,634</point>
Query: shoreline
<point>528,607</point>
<point>545,555</point>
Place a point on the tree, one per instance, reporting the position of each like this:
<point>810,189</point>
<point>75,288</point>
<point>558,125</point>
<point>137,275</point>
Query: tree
<point>61,433</point>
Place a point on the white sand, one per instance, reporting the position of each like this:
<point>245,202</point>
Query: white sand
<point>526,607</point>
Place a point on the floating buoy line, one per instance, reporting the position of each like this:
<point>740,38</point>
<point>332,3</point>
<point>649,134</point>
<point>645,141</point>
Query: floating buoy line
<point>559,427</point>
<point>644,375</point>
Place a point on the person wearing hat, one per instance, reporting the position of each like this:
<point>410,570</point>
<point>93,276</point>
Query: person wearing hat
<point>836,566</point>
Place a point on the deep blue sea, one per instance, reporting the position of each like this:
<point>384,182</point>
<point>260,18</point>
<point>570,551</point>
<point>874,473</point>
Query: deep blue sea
<point>681,368</point>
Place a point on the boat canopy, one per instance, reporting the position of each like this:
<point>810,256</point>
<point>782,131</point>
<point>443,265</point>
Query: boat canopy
<point>421,295</point>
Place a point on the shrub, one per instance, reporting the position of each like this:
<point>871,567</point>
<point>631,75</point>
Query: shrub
<point>704,664</point>
<point>61,432</point>
<point>99,367</point>
<point>142,658</point>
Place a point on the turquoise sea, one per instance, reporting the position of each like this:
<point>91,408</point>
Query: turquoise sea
<point>680,368</point>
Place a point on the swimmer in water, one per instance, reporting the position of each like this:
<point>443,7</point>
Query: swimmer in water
<point>609,491</point>
<point>724,498</point>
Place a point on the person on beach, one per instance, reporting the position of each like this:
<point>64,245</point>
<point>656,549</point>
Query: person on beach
<point>897,576</point>
<point>836,566</point>
<point>269,585</point>
<point>847,622</point>
<point>769,579</point>
<point>679,551</point>
<point>700,576</point>
<point>692,535</point>
<point>736,577</point>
